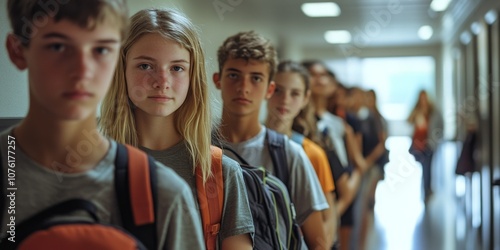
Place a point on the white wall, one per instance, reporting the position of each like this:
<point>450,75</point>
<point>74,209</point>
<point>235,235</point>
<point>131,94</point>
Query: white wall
<point>13,83</point>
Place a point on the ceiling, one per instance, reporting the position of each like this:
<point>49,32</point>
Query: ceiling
<point>372,23</point>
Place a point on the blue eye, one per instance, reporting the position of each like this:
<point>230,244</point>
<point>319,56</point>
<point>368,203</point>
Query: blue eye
<point>145,66</point>
<point>177,68</point>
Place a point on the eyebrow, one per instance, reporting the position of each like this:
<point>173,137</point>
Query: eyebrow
<point>239,71</point>
<point>152,59</point>
<point>64,37</point>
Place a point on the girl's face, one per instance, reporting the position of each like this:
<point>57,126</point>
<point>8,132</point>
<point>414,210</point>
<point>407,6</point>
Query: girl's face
<point>157,75</point>
<point>289,97</point>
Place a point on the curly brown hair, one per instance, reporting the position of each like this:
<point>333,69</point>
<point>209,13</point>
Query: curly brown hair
<point>248,45</point>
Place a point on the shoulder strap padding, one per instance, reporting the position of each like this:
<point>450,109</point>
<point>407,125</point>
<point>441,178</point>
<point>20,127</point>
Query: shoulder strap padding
<point>211,198</point>
<point>276,145</point>
<point>136,191</point>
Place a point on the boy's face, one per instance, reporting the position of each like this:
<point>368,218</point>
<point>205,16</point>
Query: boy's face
<point>244,85</point>
<point>69,68</point>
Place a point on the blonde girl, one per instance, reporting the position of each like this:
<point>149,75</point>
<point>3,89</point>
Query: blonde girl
<point>159,102</point>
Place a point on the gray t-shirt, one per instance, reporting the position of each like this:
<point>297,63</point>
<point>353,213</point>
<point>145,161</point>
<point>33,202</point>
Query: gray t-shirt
<point>305,190</point>
<point>236,217</point>
<point>178,222</point>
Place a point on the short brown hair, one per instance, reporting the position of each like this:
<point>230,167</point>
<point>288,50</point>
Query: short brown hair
<point>248,45</point>
<point>27,15</point>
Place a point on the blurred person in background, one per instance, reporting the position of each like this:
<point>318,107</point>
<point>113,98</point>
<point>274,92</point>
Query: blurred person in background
<point>428,124</point>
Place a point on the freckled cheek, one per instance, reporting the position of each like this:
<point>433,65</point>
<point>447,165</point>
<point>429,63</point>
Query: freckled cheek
<point>137,86</point>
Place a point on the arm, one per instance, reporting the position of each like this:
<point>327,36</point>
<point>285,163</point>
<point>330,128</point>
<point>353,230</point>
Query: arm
<point>379,150</point>
<point>314,235</point>
<point>241,241</point>
<point>354,151</point>
<point>236,223</point>
<point>330,219</point>
<point>347,187</point>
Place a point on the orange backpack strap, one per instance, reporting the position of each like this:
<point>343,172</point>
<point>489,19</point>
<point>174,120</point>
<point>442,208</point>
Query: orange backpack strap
<point>211,198</point>
<point>136,191</point>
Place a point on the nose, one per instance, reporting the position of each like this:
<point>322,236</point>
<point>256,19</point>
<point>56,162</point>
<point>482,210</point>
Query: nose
<point>161,80</point>
<point>244,85</point>
<point>81,66</point>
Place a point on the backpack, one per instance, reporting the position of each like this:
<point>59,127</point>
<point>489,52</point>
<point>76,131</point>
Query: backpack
<point>268,196</point>
<point>136,198</point>
<point>136,192</point>
<point>211,199</point>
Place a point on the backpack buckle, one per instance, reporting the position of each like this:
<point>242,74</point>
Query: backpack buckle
<point>214,229</point>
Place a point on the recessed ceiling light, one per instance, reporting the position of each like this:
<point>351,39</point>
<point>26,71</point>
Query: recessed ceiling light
<point>465,37</point>
<point>439,5</point>
<point>475,27</point>
<point>425,32</point>
<point>491,16</point>
<point>326,9</point>
<point>338,36</point>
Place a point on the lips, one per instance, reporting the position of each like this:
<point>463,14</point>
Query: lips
<point>77,95</point>
<point>282,110</point>
<point>160,98</point>
<point>242,100</point>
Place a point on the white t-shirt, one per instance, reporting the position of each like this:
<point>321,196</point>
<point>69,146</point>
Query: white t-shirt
<point>336,131</point>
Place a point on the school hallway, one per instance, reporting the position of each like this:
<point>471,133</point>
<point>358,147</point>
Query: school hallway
<point>401,221</point>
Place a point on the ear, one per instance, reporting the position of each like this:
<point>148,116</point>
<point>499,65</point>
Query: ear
<point>270,89</point>
<point>16,51</point>
<point>216,79</point>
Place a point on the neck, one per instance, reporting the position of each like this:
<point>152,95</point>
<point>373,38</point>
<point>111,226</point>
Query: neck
<point>319,104</point>
<point>237,129</point>
<point>155,132</point>
<point>63,146</point>
<point>281,126</point>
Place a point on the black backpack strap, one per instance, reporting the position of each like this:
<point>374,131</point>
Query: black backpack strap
<point>276,145</point>
<point>145,233</point>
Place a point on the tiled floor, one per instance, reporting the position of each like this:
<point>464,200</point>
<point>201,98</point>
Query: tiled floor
<point>401,221</point>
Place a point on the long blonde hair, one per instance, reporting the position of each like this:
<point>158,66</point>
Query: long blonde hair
<point>193,119</point>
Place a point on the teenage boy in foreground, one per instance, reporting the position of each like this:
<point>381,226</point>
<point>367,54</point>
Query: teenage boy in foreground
<point>59,153</point>
<point>247,63</point>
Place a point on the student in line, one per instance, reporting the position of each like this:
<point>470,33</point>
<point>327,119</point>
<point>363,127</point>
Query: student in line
<point>60,154</point>
<point>247,64</point>
<point>338,139</point>
<point>159,102</point>
<point>287,112</point>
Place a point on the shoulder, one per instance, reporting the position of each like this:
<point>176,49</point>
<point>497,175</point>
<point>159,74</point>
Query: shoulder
<point>312,148</point>
<point>170,184</point>
<point>230,166</point>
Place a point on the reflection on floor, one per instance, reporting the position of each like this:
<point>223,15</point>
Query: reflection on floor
<point>402,221</point>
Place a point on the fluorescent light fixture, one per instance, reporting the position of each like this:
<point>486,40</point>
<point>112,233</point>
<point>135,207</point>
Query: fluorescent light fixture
<point>338,36</point>
<point>440,5</point>
<point>326,9</point>
<point>491,16</point>
<point>425,32</point>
